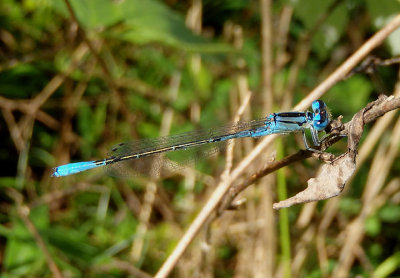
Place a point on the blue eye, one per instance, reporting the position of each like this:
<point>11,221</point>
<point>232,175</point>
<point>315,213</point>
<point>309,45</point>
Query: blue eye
<point>318,105</point>
<point>321,118</point>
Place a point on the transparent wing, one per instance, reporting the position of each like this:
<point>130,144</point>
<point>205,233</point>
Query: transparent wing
<point>163,162</point>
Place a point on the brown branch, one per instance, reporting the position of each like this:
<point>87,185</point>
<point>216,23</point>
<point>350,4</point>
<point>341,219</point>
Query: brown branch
<point>370,64</point>
<point>332,177</point>
<point>337,131</point>
<point>124,266</point>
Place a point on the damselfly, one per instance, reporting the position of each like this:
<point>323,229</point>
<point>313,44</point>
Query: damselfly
<point>276,123</point>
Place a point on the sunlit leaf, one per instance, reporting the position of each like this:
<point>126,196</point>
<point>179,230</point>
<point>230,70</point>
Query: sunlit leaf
<point>331,29</point>
<point>382,12</point>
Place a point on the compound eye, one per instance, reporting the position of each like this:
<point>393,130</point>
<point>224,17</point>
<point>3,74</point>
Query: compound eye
<point>317,106</point>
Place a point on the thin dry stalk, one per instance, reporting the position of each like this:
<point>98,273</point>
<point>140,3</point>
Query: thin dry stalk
<point>222,188</point>
<point>122,266</point>
<point>267,70</point>
<point>302,250</point>
<point>262,257</point>
<point>265,238</point>
<point>207,251</point>
<point>282,37</point>
<point>151,186</point>
<point>379,171</point>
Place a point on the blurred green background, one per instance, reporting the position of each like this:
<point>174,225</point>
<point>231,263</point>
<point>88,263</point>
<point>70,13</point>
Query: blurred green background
<point>155,68</point>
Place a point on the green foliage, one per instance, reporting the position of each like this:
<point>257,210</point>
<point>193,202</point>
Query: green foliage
<point>91,124</point>
<point>389,266</point>
<point>309,12</point>
<point>22,255</point>
<point>349,103</point>
<point>350,206</point>
<point>22,81</point>
<point>142,22</point>
<point>390,213</point>
<point>373,226</point>
<point>382,12</point>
